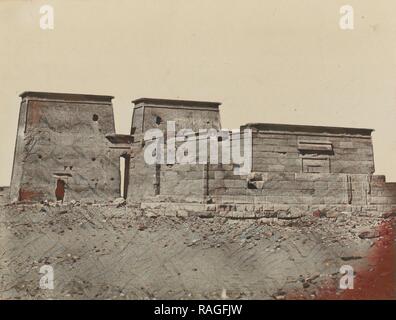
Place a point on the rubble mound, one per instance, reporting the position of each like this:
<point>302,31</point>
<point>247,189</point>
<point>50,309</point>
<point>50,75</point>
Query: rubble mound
<point>117,251</point>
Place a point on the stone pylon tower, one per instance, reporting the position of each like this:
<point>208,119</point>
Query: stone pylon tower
<point>61,150</point>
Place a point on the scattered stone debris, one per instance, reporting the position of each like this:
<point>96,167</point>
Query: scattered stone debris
<point>173,252</point>
<point>369,234</point>
<point>333,214</point>
<point>289,215</point>
<point>349,258</point>
<point>119,202</point>
<point>318,214</point>
<point>389,214</point>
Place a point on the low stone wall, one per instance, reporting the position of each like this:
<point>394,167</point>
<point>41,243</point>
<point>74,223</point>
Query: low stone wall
<point>261,194</point>
<point>292,188</point>
<point>182,179</point>
<point>265,212</point>
<point>382,192</point>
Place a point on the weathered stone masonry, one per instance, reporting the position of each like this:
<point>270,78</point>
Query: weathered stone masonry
<point>72,138</point>
<point>63,136</point>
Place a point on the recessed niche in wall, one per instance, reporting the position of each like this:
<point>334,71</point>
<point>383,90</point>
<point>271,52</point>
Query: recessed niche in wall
<point>316,165</point>
<point>315,147</point>
<point>158,120</point>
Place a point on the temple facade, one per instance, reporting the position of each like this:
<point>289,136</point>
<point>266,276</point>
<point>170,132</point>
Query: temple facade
<point>67,149</point>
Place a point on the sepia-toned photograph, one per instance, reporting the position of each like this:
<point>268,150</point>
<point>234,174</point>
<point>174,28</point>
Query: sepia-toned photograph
<point>212,151</point>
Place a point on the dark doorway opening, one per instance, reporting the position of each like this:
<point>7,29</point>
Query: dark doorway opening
<point>60,190</point>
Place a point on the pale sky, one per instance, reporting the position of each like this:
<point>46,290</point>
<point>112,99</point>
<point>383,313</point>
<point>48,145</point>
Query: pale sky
<point>282,61</point>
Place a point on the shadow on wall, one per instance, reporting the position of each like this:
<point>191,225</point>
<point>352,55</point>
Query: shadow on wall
<point>4,195</point>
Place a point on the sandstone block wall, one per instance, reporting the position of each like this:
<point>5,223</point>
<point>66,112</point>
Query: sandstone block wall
<point>175,182</point>
<point>186,181</point>
<point>382,192</point>
<point>300,165</point>
<point>318,167</point>
<point>289,188</point>
<point>142,178</point>
<point>318,150</point>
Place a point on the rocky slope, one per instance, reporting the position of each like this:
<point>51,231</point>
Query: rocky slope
<point>119,252</point>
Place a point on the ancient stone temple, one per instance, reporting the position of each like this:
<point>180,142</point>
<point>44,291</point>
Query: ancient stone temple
<point>67,149</point>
